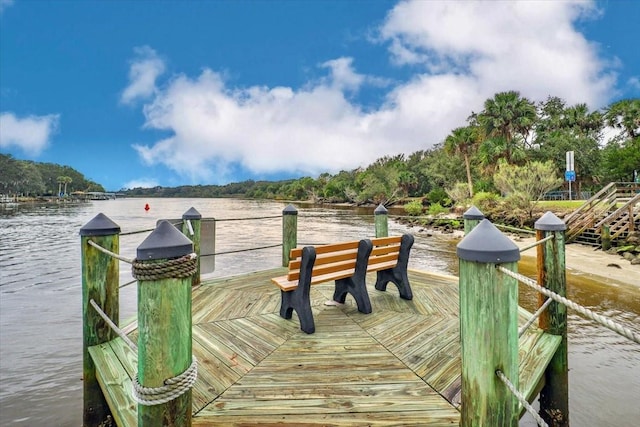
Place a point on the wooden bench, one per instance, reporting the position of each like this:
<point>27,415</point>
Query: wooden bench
<point>348,264</point>
<point>390,259</point>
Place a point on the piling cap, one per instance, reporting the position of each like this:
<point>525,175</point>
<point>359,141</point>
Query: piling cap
<point>550,222</point>
<point>487,244</point>
<point>473,213</point>
<point>100,225</point>
<point>380,210</point>
<point>164,242</point>
<point>290,210</point>
<point>192,213</point>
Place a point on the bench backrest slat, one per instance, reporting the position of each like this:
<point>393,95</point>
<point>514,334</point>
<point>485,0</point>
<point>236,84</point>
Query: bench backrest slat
<point>338,260</point>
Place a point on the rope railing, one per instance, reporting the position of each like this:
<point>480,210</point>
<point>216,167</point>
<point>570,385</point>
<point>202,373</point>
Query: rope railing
<point>172,387</point>
<point>129,233</point>
<point>519,230</point>
<point>113,326</point>
<point>242,219</point>
<point>521,399</point>
<point>533,318</point>
<point>536,243</point>
<point>108,252</point>
<point>242,250</point>
<point>604,321</point>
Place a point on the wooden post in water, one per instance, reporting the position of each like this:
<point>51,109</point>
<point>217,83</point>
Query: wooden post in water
<point>193,216</point>
<point>289,232</point>
<point>471,217</point>
<point>605,237</point>
<point>100,282</point>
<point>164,320</point>
<point>554,396</point>
<point>488,327</point>
<point>381,221</point>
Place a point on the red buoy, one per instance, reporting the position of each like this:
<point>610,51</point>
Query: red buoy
<point>147,207</point>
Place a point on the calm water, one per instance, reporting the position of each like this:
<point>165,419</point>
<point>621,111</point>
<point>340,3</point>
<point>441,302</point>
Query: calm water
<point>40,300</point>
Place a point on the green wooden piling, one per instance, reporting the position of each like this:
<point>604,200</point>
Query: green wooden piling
<point>164,326</point>
<point>289,232</point>
<point>605,237</point>
<point>195,218</point>
<point>472,218</point>
<point>381,221</point>
<point>488,327</point>
<point>100,282</point>
<point>554,396</point>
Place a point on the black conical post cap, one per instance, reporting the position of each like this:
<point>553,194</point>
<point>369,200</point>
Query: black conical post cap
<point>164,242</point>
<point>192,213</point>
<point>100,225</point>
<point>473,213</point>
<point>380,210</point>
<point>290,210</point>
<point>550,222</point>
<point>487,244</point>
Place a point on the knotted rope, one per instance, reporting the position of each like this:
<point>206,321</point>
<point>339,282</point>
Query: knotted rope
<point>172,388</point>
<point>175,268</point>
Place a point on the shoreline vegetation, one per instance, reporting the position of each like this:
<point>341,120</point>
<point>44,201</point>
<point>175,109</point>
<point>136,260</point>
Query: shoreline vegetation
<point>610,267</point>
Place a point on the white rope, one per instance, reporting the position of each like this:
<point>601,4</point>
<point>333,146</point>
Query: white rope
<point>113,326</point>
<point>534,317</point>
<point>172,388</point>
<point>521,398</point>
<point>536,243</point>
<point>108,252</point>
<point>615,327</point>
<point>190,227</point>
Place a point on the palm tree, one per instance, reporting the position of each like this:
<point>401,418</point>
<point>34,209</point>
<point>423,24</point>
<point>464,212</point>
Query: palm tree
<point>463,140</point>
<point>63,180</point>
<point>625,115</point>
<point>509,117</point>
<point>67,180</point>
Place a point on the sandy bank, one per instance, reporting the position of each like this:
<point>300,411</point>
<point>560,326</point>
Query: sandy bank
<point>592,262</point>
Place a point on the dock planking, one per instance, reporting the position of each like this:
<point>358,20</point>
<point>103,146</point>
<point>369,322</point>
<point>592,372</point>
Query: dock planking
<point>399,365</point>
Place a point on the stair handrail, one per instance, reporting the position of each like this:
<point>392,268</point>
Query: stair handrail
<point>632,202</point>
<point>589,203</point>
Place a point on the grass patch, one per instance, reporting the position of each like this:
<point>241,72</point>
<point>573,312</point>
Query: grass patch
<point>561,204</point>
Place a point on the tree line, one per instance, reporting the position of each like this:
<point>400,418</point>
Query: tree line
<point>513,143</point>
<point>32,179</point>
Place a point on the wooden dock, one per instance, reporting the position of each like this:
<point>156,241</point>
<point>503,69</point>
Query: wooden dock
<point>399,365</point>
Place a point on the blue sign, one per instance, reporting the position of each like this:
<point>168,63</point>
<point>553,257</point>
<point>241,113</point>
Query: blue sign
<point>570,176</point>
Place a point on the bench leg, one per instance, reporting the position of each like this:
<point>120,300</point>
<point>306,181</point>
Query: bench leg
<point>398,274</point>
<point>299,299</point>
<point>398,278</point>
<point>357,289</point>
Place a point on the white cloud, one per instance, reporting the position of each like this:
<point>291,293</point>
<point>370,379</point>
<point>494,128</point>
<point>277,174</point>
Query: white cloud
<point>5,4</point>
<point>144,71</point>
<point>634,82</point>
<point>141,183</point>
<point>530,46</point>
<point>466,51</point>
<point>30,134</point>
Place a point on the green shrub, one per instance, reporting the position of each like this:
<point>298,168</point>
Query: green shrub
<point>413,208</point>
<point>437,209</point>
<point>485,201</point>
<point>439,196</point>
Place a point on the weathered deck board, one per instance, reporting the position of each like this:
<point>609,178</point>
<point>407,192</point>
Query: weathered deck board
<point>399,365</point>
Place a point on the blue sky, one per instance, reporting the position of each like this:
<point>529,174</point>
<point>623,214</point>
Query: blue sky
<point>145,93</point>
